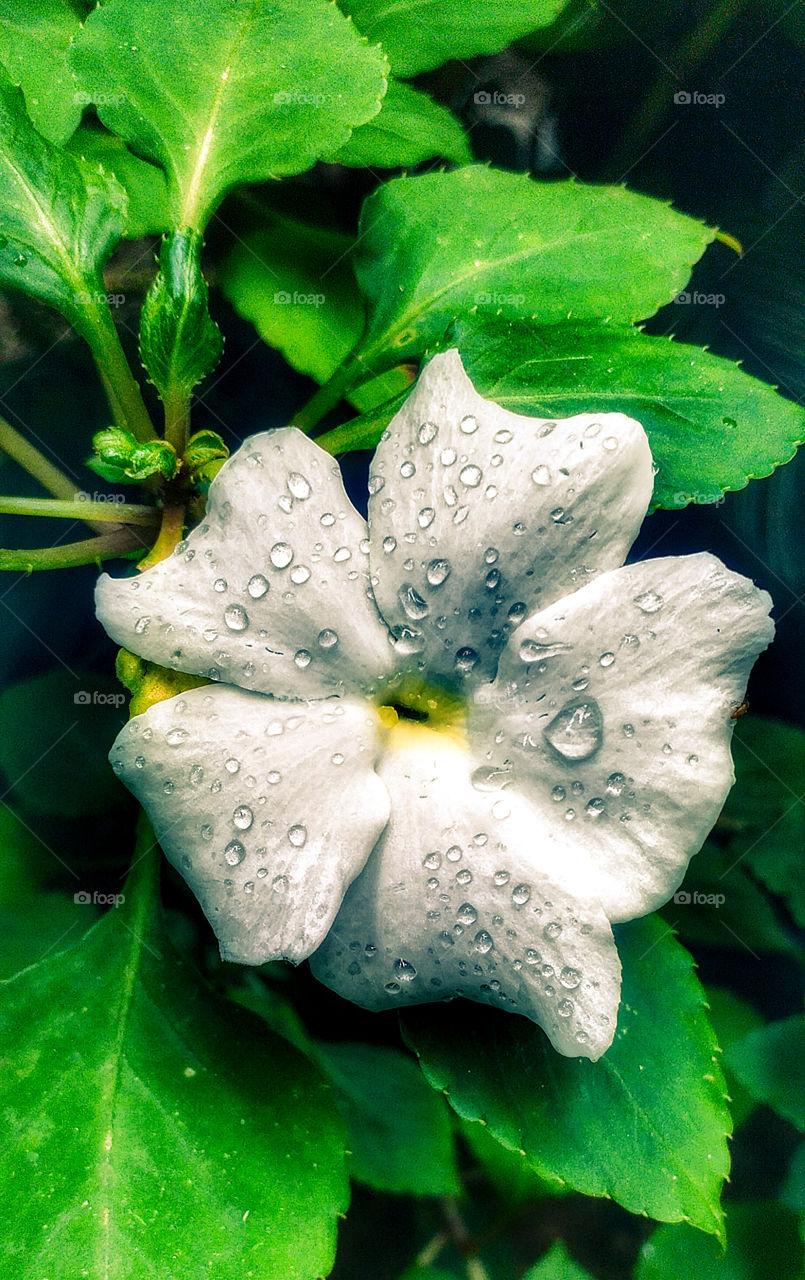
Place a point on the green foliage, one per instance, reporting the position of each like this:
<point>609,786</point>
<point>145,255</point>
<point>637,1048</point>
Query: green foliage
<point>732,1019</point>
<point>765,812</point>
<point>399,1129</point>
<point>409,128</point>
<point>120,457</point>
<point>486,242</point>
<point>509,1171</point>
<point>556,1265</point>
<point>147,207</point>
<point>34,43</point>
<point>204,454</point>
<point>266,89</point>
<point>770,1064</point>
<point>420,34</point>
<point>646,1124</point>
<point>60,216</point>
<point>180,343</point>
<point>148,1077</point>
<point>762,1244</point>
<point>54,734</point>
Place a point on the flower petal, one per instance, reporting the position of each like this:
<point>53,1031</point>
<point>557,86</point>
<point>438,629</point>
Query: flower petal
<point>462,897</point>
<point>271,592</point>
<point>478,515</point>
<point>611,711</point>
<point>269,810</point>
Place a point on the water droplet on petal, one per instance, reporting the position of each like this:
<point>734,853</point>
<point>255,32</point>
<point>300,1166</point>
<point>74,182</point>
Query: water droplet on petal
<point>541,475</point>
<point>648,602</point>
<point>404,971</point>
<point>297,835</point>
<point>236,617</point>
<point>471,476</point>
<point>466,660</point>
<point>438,571</point>
<point>298,486</point>
<point>414,606</point>
<point>466,914</point>
<point>407,469</point>
<point>564,1008</point>
<point>426,517</point>
<point>468,424</point>
<point>141,626</point>
<point>427,432</point>
<point>328,638</point>
<point>552,930</point>
<point>595,807</point>
<point>234,853</point>
<point>520,894</point>
<point>281,555</point>
<point>175,737</point>
<point>243,817</point>
<point>606,659</point>
<point>220,584</point>
<point>483,942</point>
<point>576,731</point>
<point>257,586</point>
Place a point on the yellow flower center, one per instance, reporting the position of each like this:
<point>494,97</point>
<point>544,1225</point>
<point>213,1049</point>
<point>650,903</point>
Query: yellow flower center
<point>407,708</point>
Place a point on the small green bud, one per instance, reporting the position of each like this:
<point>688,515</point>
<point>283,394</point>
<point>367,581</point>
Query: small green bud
<point>120,457</point>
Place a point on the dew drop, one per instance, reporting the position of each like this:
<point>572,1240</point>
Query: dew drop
<point>454,853</point>
<point>520,894</point>
<point>541,475</point>
<point>648,602</point>
<point>427,432</point>
<point>464,876</point>
<point>564,1008</point>
<point>606,659</point>
<point>281,555</point>
<point>337,758</point>
<point>299,574</point>
<point>615,783</point>
<point>438,571</point>
<point>234,853</point>
<point>302,659</point>
<point>569,978</point>
<point>552,930</point>
<point>243,817</point>
<point>175,737</point>
<point>280,884</point>
<point>257,586</point>
<point>466,660</point>
<point>558,794</point>
<point>595,807</point>
<point>297,835</point>
<point>236,617</point>
<point>468,424</point>
<point>471,476</point>
<point>500,878</point>
<point>576,731</point>
<point>483,942</point>
<point>412,603</point>
<point>516,613</point>
<point>426,517</point>
<point>232,765</point>
<point>220,584</point>
<point>328,638</point>
<point>404,971</point>
<point>466,914</point>
<point>141,626</point>
<point>298,486</point>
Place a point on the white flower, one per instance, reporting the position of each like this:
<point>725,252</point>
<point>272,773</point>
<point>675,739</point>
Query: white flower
<point>463,806</point>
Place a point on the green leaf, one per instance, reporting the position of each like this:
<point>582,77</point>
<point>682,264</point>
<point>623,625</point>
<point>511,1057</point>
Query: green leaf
<point>483,241</point>
<point>147,211</point>
<point>770,1064</point>
<point>399,1129</point>
<point>421,34</point>
<point>34,41</point>
<point>732,1019</point>
<point>158,1131</point>
<point>55,731</point>
<point>204,454</point>
<point>409,128</point>
<point>507,1170</point>
<point>645,1125</point>
<point>295,283</point>
<point>121,458</point>
<point>710,425</point>
<point>765,810</point>
<point>60,218</point>
<point>179,341</point>
<point>229,91</point>
<point>762,1244</point>
<point>557,1265</point>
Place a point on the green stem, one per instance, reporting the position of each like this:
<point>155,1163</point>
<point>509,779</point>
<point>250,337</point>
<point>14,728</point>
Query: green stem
<point>346,376</point>
<point>100,513</point>
<point>122,389</point>
<point>689,55</point>
<point>90,551</point>
<point>27,456</point>
<point>170,534</point>
<point>177,420</point>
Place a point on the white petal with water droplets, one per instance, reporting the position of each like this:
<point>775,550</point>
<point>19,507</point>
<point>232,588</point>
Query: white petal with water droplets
<point>462,896</point>
<point>478,515</point>
<point>611,711</point>
<point>271,592</point>
<point>269,810</point>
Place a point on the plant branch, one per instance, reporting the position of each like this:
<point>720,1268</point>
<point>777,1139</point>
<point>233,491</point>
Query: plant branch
<point>122,390</point>
<point>27,456</point>
<point>346,376</point>
<point>462,1240</point>
<point>170,534</point>
<point>95,513</point>
<point>177,421</point>
<point>91,551</point>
